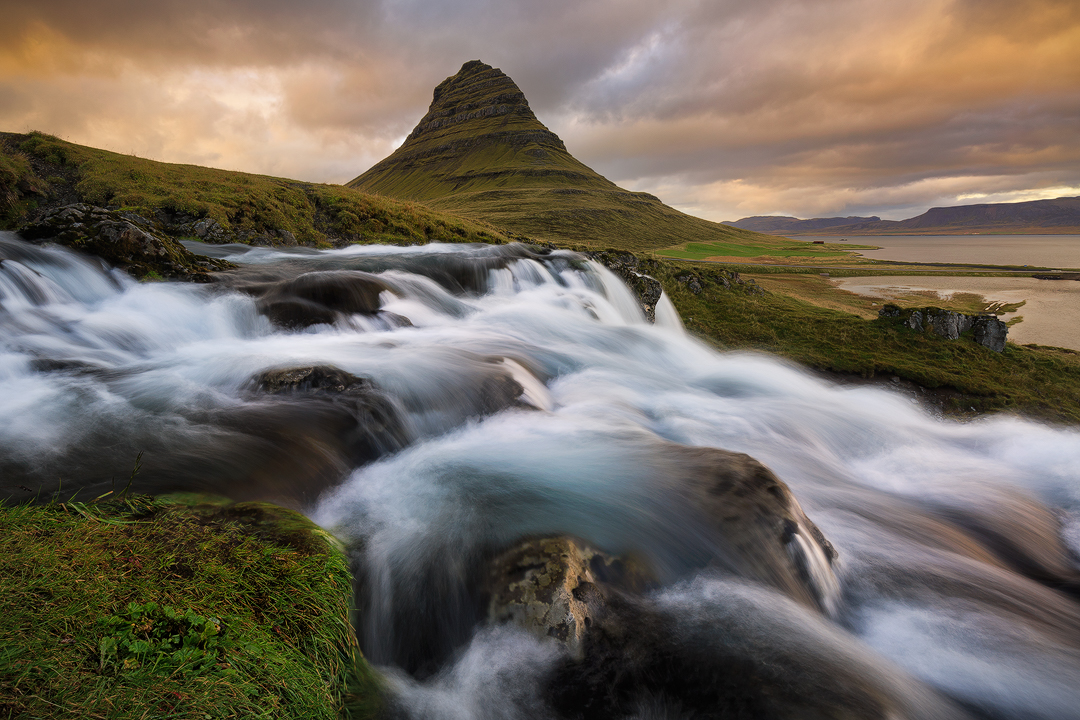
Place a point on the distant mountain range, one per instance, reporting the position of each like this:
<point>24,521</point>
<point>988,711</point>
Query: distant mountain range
<point>481,153</point>
<point>1041,217</point>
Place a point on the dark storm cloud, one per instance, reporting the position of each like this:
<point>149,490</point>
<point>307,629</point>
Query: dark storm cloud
<point>726,108</point>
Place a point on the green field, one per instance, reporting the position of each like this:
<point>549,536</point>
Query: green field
<point>755,249</point>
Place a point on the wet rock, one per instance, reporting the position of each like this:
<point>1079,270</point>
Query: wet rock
<point>124,240</point>
<point>763,533</point>
<point>314,379</point>
<point>986,329</point>
<point>318,297</point>
<point>556,587</point>
<point>629,268</point>
<point>727,650</point>
<point>347,421</point>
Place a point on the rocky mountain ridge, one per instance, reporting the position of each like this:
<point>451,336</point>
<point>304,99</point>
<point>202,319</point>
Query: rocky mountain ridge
<point>1035,217</point>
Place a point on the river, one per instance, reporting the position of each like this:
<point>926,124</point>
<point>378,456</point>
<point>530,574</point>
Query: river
<point>500,394</point>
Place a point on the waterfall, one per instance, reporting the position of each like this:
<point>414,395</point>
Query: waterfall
<point>928,568</point>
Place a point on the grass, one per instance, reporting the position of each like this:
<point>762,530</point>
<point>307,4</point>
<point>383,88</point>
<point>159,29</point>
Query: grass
<point>161,607</point>
<point>39,170</point>
<point>758,248</point>
<point>1039,382</point>
<point>817,290</point>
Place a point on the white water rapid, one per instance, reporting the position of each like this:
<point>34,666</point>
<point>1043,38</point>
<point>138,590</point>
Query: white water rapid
<point>515,395</point>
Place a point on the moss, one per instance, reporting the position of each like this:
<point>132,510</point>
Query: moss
<point>174,607</point>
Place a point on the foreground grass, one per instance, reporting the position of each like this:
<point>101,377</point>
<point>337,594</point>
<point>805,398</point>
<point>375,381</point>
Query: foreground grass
<point>1039,382</point>
<point>157,608</point>
<point>38,170</point>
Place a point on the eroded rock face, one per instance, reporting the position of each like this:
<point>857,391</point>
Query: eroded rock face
<point>124,240</point>
<point>987,330</point>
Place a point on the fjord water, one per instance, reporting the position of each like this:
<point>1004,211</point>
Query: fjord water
<point>954,592</point>
<point>1050,251</point>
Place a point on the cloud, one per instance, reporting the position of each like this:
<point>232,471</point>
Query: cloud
<point>741,107</point>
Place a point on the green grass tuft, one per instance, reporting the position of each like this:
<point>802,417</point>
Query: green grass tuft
<point>161,608</point>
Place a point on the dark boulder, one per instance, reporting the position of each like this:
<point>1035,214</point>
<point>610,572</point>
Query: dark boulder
<point>316,379</point>
<point>727,650</point>
<point>124,240</point>
<point>762,532</point>
<point>317,297</point>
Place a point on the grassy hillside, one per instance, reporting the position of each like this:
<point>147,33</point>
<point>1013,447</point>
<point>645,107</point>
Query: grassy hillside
<point>39,171</point>
<point>159,608</point>
<point>481,153</point>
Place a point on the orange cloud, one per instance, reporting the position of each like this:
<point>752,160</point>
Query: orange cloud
<point>742,107</point>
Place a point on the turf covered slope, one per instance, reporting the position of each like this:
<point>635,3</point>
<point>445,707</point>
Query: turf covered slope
<point>481,153</point>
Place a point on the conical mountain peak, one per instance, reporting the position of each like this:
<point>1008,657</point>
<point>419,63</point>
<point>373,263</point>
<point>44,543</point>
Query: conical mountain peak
<point>479,132</point>
<point>479,91</point>
<point>481,153</point>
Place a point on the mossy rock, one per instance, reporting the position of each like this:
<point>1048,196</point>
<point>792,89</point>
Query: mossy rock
<point>124,240</point>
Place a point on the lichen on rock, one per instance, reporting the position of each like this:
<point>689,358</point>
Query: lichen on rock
<point>987,329</point>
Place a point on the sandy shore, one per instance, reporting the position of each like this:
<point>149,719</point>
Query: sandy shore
<point>1051,315</point>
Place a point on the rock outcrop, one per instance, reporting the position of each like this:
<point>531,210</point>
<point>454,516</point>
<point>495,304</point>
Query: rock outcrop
<point>987,330</point>
<point>124,240</point>
<point>630,270</point>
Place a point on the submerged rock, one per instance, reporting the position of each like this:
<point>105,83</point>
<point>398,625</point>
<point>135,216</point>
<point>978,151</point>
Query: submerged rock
<point>314,379</point>
<point>124,240</point>
<point>338,421</point>
<point>764,535</point>
<point>320,297</point>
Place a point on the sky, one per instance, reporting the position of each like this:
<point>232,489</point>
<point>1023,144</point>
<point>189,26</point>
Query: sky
<point>722,108</point>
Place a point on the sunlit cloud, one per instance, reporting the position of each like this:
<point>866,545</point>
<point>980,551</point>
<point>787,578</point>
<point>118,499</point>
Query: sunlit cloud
<point>721,109</point>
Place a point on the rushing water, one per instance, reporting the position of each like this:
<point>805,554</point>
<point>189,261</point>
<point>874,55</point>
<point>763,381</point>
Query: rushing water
<point>515,395</point>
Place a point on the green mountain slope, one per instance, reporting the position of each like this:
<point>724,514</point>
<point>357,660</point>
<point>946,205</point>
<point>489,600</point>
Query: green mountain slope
<point>481,153</point>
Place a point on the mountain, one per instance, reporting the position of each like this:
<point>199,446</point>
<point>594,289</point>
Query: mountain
<point>481,153</point>
<point>1034,217</point>
<point>784,225</point>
